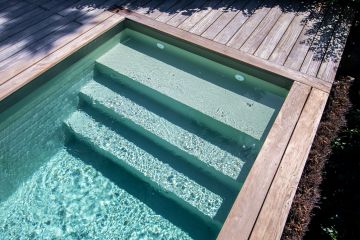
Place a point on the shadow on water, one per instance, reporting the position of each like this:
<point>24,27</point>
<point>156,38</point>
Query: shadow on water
<point>35,25</point>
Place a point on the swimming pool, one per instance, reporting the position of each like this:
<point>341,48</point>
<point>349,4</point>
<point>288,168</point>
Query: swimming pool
<point>136,135</point>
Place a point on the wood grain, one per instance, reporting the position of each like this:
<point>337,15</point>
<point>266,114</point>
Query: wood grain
<point>197,16</point>
<point>262,31</point>
<point>216,27</point>
<point>331,61</point>
<point>250,25</point>
<point>272,39</point>
<point>288,40</point>
<point>300,49</point>
<point>50,60</point>
<point>244,212</point>
<point>24,59</point>
<point>211,17</point>
<point>273,215</point>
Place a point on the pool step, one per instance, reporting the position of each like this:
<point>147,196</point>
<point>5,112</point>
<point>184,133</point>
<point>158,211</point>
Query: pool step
<point>146,166</point>
<point>180,107</point>
<point>202,148</point>
<point>190,88</point>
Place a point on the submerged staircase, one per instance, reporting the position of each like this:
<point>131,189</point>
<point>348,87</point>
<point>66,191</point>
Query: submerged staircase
<point>183,153</point>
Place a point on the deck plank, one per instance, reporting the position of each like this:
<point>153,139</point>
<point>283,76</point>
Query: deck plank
<point>330,64</point>
<point>5,4</point>
<point>274,36</point>
<point>184,14</point>
<point>319,45</point>
<point>14,13</point>
<point>20,61</point>
<point>27,20</point>
<point>250,25</point>
<point>163,7</point>
<point>240,18</point>
<point>272,218</point>
<point>224,19</point>
<point>262,30</point>
<point>172,11</point>
<point>148,7</point>
<point>288,39</point>
<point>197,16</point>
<point>211,17</point>
<point>94,30</point>
<point>244,212</point>
<point>303,43</point>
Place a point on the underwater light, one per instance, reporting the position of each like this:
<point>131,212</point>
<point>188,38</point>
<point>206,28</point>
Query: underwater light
<point>161,46</point>
<point>239,77</point>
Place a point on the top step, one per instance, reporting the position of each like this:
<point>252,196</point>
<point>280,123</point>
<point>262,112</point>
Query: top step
<point>245,105</point>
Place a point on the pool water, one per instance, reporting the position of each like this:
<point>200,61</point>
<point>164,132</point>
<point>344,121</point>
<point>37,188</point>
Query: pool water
<point>138,140</point>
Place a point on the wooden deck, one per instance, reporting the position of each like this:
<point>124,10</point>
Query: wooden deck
<point>299,40</point>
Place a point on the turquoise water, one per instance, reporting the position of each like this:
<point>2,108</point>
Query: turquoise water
<point>138,140</point>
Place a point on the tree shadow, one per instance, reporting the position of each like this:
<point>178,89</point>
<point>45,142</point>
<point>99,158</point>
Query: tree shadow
<point>35,27</point>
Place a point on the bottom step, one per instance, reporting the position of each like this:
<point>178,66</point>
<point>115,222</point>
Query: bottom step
<point>147,166</point>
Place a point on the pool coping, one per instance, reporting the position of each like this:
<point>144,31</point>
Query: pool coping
<point>262,206</point>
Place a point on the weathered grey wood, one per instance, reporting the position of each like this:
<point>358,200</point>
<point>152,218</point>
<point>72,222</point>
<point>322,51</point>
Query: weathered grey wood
<point>7,4</point>
<point>262,30</point>
<point>288,40</point>
<point>240,18</point>
<point>52,25</point>
<point>330,64</point>
<point>50,4</point>
<point>82,6</point>
<point>61,6</point>
<point>224,19</point>
<point>48,26</point>
<point>27,75</point>
<point>211,17</point>
<point>273,37</point>
<point>165,6</point>
<point>246,208</point>
<point>197,16</point>
<point>249,26</point>
<point>26,21</point>
<point>133,5</point>
<point>37,2</point>
<point>319,45</point>
<point>85,17</point>
<point>302,45</point>
<point>166,16</point>
<point>184,14</point>
<point>149,7</point>
<point>22,60</point>
<point>15,12</point>
<point>20,19</point>
<point>273,215</point>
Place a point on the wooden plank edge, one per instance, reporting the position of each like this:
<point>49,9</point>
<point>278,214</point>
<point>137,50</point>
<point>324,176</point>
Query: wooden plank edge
<point>224,50</point>
<point>35,70</point>
<point>249,201</point>
<point>332,59</point>
<point>273,215</point>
